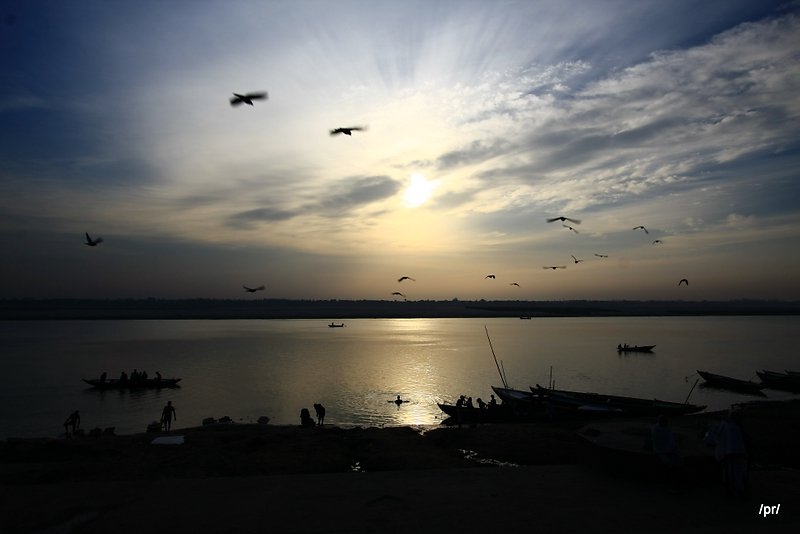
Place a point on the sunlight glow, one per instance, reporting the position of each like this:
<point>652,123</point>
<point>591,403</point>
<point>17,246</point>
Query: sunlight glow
<point>419,191</point>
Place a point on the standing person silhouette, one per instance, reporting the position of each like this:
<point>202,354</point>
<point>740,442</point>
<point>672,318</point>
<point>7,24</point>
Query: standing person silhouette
<point>167,415</point>
<point>74,421</point>
<point>320,409</point>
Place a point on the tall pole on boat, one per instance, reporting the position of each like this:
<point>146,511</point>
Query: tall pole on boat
<point>502,378</point>
<point>690,392</point>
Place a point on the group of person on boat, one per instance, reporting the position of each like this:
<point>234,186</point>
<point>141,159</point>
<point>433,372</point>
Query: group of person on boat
<point>136,377</point>
<point>466,402</point>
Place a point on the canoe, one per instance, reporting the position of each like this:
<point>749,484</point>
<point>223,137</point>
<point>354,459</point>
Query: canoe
<point>636,348</point>
<point>334,325</point>
<point>615,404</point>
<point>732,384</point>
<point>115,383</point>
<point>782,381</point>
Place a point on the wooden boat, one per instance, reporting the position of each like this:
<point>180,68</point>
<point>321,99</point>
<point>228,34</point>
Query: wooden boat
<point>615,404</point>
<point>635,348</point>
<point>732,384</point>
<point>498,414</point>
<point>116,383</point>
<point>334,325</point>
<point>782,381</point>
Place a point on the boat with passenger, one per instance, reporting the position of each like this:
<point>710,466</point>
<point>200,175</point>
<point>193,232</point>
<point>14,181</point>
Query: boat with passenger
<point>635,348</point>
<point>116,383</point>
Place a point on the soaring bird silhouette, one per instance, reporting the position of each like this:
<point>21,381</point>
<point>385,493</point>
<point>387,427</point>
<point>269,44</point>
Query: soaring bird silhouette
<point>554,267</point>
<point>658,242</point>
<point>642,227</point>
<point>601,255</point>
<point>348,131</point>
<point>489,276</point>
<point>576,259</point>
<point>405,278</point>
<point>253,289</point>
<point>514,284</point>
<point>683,281</point>
<point>571,228</point>
<point>248,98</point>
<point>92,242</point>
<point>398,294</point>
<point>564,219</point>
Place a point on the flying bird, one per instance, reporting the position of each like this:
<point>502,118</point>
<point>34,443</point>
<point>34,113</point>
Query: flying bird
<point>576,259</point>
<point>658,242</point>
<point>571,228</point>
<point>564,219</point>
<point>248,98</point>
<point>601,255</point>
<point>554,267</point>
<point>405,278</point>
<point>348,131</point>
<point>253,289</point>
<point>489,276</point>
<point>398,294</point>
<point>514,284</point>
<point>642,227</point>
<point>92,242</point>
<point>683,281</point>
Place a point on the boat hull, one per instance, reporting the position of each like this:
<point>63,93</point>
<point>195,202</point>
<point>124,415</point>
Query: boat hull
<point>150,383</point>
<point>615,404</point>
<point>732,384</point>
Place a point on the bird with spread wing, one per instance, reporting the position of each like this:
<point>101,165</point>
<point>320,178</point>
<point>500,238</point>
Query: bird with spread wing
<point>248,98</point>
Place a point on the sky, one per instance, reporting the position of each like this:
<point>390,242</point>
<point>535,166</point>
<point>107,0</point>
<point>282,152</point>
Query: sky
<point>482,120</point>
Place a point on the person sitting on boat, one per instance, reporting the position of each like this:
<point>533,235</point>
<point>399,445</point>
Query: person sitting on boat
<point>143,376</point>
<point>134,376</point>
<point>664,445</point>
<point>158,377</point>
<point>492,402</point>
<point>460,402</point>
<point>469,403</point>
<point>482,405</point>
<point>123,377</point>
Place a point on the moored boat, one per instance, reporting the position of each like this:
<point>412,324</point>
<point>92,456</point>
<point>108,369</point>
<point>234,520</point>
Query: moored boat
<point>732,384</point>
<point>115,383</point>
<point>782,381</point>
<point>464,414</point>
<point>334,325</point>
<point>615,404</point>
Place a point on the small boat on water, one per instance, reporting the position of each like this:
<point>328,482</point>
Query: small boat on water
<point>782,381</point>
<point>116,383</point>
<point>334,325</point>
<point>732,384</point>
<point>635,348</point>
<point>614,404</point>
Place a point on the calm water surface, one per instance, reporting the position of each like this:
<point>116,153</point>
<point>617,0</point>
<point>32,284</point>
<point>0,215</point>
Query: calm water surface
<point>245,369</point>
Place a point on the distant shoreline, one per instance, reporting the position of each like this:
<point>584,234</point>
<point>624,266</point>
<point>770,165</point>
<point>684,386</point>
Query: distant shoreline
<point>163,309</point>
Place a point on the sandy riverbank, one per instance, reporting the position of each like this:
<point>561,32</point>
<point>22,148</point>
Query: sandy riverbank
<point>252,478</point>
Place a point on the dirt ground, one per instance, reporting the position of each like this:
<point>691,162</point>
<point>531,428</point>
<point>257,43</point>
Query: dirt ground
<point>254,478</point>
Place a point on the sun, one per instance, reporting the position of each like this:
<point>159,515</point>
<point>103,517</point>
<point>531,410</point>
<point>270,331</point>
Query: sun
<point>418,191</point>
